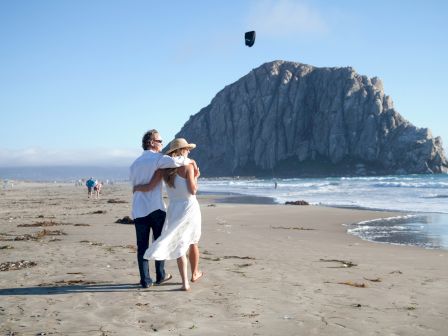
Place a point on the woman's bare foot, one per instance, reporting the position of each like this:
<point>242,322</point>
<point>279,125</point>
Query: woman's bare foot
<point>195,277</point>
<point>185,289</point>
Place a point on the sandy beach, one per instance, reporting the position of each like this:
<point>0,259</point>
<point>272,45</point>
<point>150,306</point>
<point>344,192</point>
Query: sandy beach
<point>269,270</point>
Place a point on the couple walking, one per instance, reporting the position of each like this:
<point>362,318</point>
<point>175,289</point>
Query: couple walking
<point>177,231</point>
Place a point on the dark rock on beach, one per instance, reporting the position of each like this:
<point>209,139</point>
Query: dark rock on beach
<point>125,220</point>
<point>291,119</point>
<point>297,203</point>
<point>116,201</point>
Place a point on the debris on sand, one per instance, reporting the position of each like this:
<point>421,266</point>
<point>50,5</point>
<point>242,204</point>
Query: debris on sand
<point>227,257</point>
<point>41,224</point>
<point>373,280</point>
<point>16,265</point>
<point>349,283</point>
<point>12,238</point>
<point>300,202</point>
<point>253,314</point>
<point>115,201</point>
<point>35,236</point>
<point>23,237</point>
<point>49,223</point>
<point>292,228</point>
<point>91,243</point>
<point>125,220</point>
<point>6,247</point>
<point>60,283</point>
<point>243,265</point>
<point>344,263</point>
<point>133,248</point>
<point>45,233</point>
<point>353,284</point>
<point>237,257</point>
<point>211,259</point>
<point>98,212</point>
<point>42,216</point>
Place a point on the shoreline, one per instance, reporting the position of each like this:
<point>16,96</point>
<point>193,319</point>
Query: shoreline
<point>235,198</point>
<point>239,198</point>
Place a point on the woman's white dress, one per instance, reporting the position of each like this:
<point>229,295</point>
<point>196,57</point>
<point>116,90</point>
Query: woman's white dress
<point>182,225</point>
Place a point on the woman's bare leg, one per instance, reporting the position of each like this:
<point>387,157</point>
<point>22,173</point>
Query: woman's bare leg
<point>193,255</point>
<point>182,265</point>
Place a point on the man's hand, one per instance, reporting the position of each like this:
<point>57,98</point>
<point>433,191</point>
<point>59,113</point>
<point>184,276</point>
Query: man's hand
<point>197,173</point>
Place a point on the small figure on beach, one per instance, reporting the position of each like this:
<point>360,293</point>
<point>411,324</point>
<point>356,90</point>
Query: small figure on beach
<point>90,184</point>
<point>183,222</point>
<point>97,189</point>
<point>148,208</point>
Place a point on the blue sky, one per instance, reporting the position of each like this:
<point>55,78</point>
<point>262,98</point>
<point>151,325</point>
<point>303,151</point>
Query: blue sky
<point>81,81</point>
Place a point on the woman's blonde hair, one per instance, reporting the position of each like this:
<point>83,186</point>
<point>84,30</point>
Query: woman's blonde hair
<point>169,174</point>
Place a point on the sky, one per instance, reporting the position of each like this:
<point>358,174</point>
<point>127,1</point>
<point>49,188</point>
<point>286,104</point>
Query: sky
<point>81,81</point>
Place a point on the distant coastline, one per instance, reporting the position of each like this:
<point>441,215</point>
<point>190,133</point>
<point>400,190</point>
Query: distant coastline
<point>63,173</point>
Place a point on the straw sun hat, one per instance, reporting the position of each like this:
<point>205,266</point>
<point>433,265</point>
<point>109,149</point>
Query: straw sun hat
<point>178,144</point>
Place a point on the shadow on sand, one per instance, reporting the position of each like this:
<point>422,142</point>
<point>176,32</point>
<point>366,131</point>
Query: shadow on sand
<point>91,288</point>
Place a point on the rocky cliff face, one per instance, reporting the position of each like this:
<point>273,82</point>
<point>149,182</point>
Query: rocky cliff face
<point>292,119</point>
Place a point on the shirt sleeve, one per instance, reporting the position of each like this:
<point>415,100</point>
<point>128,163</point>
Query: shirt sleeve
<point>166,161</point>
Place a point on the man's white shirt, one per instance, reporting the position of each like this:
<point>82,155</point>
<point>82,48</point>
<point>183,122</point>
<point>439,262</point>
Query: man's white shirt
<point>141,172</point>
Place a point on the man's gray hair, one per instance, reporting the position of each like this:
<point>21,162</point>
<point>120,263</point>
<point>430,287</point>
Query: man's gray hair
<point>147,137</point>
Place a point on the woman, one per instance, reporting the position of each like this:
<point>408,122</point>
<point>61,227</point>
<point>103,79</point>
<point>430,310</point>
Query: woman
<point>182,228</point>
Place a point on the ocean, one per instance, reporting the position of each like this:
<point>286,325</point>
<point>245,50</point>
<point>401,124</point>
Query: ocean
<point>423,199</point>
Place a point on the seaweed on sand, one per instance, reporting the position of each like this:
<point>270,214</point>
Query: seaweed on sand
<point>16,265</point>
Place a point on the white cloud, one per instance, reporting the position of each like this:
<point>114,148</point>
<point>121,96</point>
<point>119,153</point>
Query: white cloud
<point>58,157</point>
<point>283,18</point>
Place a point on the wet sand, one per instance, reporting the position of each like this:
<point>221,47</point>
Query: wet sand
<point>270,270</point>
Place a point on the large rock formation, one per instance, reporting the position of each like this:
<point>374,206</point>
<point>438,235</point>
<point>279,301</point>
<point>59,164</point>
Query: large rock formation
<point>292,119</point>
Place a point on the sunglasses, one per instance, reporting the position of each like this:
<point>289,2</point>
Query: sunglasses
<point>158,141</point>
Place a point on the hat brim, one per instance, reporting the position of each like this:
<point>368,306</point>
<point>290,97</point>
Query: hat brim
<point>190,146</point>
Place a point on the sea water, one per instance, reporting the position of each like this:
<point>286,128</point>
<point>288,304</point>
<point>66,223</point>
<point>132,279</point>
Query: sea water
<point>422,198</point>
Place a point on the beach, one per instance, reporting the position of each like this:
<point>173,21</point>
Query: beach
<point>269,270</point>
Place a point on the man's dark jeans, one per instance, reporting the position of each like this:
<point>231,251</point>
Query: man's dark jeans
<point>143,227</point>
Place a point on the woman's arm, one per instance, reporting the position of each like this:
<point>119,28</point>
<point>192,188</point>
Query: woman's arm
<point>192,180</point>
<point>155,180</point>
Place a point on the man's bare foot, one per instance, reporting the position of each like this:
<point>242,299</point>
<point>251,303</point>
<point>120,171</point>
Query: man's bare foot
<point>195,277</point>
<point>185,289</point>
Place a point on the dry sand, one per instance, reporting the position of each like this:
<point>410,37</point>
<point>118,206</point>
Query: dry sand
<point>265,274</point>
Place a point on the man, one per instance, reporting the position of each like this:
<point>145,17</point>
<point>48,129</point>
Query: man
<point>148,208</point>
<point>90,183</point>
